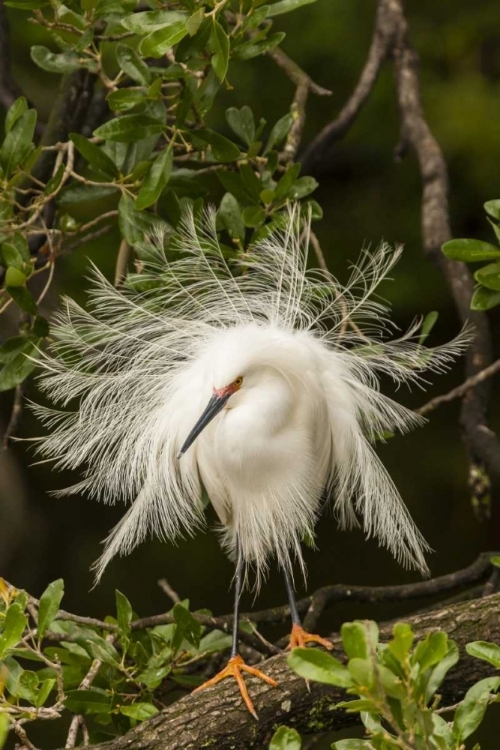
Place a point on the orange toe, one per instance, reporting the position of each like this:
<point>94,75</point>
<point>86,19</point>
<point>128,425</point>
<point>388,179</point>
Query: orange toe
<point>234,668</point>
<point>299,638</point>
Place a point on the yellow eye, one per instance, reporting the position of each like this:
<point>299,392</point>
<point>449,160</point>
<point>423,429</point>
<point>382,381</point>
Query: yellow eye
<point>238,382</point>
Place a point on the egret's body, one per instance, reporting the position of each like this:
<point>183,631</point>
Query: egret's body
<point>254,381</point>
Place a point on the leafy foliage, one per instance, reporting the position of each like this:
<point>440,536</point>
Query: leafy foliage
<point>152,153</point>
<point>397,686</point>
<point>487,293</point>
<point>115,675</point>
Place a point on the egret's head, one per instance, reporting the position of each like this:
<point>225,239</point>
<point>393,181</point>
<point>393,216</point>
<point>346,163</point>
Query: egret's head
<point>241,359</point>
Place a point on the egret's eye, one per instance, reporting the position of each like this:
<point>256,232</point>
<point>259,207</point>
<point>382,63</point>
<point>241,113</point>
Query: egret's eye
<point>238,382</point>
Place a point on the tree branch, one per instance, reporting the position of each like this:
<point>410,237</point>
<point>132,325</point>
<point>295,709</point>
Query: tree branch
<point>391,39</point>
<point>216,718</point>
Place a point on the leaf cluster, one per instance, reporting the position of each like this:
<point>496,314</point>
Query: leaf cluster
<point>52,666</point>
<point>396,685</point>
<point>487,292</point>
<point>153,153</point>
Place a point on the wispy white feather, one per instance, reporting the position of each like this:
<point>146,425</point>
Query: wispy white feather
<point>137,368</point>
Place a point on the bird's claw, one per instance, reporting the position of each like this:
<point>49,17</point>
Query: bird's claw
<point>234,668</point>
<point>299,638</point>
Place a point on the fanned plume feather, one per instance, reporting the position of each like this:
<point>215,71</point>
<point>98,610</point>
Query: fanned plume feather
<point>131,366</point>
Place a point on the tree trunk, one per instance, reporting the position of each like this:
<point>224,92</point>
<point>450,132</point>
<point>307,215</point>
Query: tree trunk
<point>216,718</point>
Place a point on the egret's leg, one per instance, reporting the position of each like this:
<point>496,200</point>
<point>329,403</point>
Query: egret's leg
<point>236,665</point>
<point>299,637</point>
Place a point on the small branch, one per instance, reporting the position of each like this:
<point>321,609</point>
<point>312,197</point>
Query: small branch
<point>122,262</point>
<point>460,390</point>
<point>379,49</point>
<point>15,416</point>
<point>168,590</point>
<point>304,84</point>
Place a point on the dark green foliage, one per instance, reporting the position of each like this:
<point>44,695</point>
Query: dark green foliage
<point>161,69</point>
<point>396,687</point>
<point>487,293</point>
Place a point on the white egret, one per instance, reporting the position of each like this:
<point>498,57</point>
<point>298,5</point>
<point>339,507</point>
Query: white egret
<point>252,377</point>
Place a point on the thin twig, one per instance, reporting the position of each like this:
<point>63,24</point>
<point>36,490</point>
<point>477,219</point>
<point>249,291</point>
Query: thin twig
<point>169,591</point>
<point>461,389</point>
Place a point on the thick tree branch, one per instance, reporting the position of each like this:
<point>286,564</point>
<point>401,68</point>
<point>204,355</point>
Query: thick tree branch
<point>216,718</point>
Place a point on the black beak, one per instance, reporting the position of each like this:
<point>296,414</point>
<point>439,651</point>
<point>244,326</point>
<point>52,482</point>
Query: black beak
<point>213,407</point>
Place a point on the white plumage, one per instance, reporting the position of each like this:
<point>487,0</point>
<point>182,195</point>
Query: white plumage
<point>138,368</point>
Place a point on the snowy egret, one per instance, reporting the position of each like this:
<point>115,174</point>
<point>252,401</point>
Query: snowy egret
<point>249,376</point>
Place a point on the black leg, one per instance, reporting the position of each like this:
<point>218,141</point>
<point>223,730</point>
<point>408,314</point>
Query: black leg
<point>294,612</point>
<point>238,580</point>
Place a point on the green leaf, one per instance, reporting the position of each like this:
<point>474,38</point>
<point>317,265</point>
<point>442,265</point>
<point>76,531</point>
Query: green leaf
<point>194,22</point>
<point>241,122</point>
<point>63,62</point>
<point>154,676</point>
<point>82,193</point>
<point>124,99</point>
<point>131,64</point>
<point>156,179</point>
<point>362,671</point>
<point>359,638</point>
<point>489,276</point>
<point>4,723</point>
<point>402,640</point>
<point>21,296</point>
<point>312,664</point>
<point>14,112</point>
<point>152,20</point>
<point>489,652</point>
<point>495,560</point>
<point>222,148</point>
<point>284,187</point>
<point>492,208</point>
<point>230,215</point>
<point>13,628</point>
<point>431,650</point>
<point>93,701</point>
<point>18,142</point>
<point>188,627</point>
<point>15,252</point>
<point>302,187</point>
<point>470,251</point>
<point>352,745</point>
<point>484,299</point>
<point>214,641</point>
<point>124,612</point>
<point>427,325</point>
<point>99,648</point>
<point>94,155</point>
<point>44,691</point>
<point>28,686</point>
<point>129,128</point>
<point>285,739</point>
<point>49,605</point>
<point>14,277</point>
<point>285,6</point>
<point>139,711</point>
<point>439,672</point>
<point>253,216</point>
<point>136,226</point>
<point>159,42</point>
<point>219,43</point>
<point>470,712</point>
<point>279,132</point>
<point>251,49</point>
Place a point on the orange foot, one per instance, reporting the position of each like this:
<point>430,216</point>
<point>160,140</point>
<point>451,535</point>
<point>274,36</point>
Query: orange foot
<point>299,638</point>
<point>234,668</point>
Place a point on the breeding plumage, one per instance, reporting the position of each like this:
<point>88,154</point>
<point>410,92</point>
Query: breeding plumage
<point>250,376</point>
<point>138,367</point>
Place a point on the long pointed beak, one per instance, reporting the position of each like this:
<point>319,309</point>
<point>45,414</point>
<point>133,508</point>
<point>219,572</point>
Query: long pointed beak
<point>213,407</point>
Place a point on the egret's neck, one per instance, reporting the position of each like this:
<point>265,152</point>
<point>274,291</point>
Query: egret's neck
<point>263,408</point>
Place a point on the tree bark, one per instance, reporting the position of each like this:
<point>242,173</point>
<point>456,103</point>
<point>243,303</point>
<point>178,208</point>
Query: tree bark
<point>216,718</point>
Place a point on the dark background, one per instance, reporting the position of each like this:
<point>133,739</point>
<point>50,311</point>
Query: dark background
<point>366,196</point>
